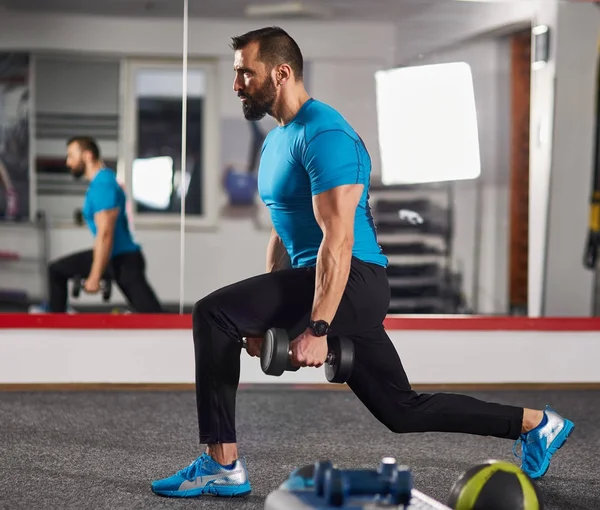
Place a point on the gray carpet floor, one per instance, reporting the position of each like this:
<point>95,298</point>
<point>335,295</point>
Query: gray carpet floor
<point>100,450</point>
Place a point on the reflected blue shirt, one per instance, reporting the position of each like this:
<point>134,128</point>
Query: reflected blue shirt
<point>103,193</point>
<point>317,151</point>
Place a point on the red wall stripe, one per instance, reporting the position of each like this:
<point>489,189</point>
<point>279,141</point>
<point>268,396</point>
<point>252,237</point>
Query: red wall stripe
<point>408,323</point>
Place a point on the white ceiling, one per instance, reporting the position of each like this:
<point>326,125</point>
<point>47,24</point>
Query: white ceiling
<point>358,10</point>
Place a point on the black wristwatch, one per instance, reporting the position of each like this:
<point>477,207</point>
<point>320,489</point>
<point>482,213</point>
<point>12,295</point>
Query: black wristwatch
<point>319,328</point>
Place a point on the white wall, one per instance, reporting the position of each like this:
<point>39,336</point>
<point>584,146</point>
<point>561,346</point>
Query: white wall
<point>53,75</point>
<point>167,356</point>
<point>208,38</point>
<point>568,285</point>
<point>29,273</point>
<point>350,87</point>
<point>213,258</point>
<point>447,23</point>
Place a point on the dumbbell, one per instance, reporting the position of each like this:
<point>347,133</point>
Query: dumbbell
<point>390,482</point>
<point>78,217</point>
<point>105,286</point>
<point>299,479</point>
<point>321,467</point>
<point>275,356</point>
<point>274,353</point>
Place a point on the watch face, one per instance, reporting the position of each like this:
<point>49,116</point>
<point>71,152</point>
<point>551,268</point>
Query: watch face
<point>320,328</point>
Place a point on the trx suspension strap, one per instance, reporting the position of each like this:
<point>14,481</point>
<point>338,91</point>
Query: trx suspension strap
<point>593,238</point>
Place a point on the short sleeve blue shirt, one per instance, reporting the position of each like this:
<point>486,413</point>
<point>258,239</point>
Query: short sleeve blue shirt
<point>104,192</point>
<point>314,153</point>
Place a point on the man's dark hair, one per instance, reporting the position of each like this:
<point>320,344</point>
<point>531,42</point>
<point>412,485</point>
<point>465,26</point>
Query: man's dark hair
<point>86,143</point>
<point>275,47</point>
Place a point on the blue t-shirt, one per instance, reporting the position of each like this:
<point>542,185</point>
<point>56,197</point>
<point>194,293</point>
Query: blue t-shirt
<point>317,151</point>
<point>104,192</point>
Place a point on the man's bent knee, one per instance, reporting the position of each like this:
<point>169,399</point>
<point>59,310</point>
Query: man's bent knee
<point>54,269</point>
<point>207,311</point>
<point>202,309</point>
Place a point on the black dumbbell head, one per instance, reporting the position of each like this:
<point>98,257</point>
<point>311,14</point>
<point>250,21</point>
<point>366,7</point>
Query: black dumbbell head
<point>274,353</point>
<point>78,217</point>
<point>107,290</point>
<point>339,368</point>
<point>77,284</point>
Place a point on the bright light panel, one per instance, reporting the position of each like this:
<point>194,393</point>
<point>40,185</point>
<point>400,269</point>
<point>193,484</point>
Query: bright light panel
<point>427,124</point>
<point>168,83</point>
<point>152,181</point>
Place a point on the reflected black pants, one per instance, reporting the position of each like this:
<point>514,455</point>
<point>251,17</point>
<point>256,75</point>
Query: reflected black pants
<point>128,270</point>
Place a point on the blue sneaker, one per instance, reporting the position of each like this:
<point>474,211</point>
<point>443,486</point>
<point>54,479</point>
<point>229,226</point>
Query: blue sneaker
<point>538,445</point>
<point>205,476</point>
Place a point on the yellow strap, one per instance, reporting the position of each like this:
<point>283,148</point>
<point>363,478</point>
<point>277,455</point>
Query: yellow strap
<point>594,219</point>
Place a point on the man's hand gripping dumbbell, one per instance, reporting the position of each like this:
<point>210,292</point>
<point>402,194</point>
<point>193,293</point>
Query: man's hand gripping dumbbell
<point>278,355</point>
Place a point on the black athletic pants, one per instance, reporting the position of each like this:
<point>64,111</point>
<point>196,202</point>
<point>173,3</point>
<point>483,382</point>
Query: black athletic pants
<point>128,270</point>
<point>284,299</point>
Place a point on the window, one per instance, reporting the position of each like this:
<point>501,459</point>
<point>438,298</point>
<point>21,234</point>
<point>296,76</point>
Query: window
<point>152,165</point>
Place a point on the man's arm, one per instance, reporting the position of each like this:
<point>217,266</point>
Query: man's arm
<point>105,228</point>
<point>12,199</point>
<point>277,255</point>
<point>277,259</point>
<point>334,211</point>
<point>335,166</point>
<point>5,176</point>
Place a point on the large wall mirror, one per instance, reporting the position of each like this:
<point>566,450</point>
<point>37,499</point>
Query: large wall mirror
<point>491,239</point>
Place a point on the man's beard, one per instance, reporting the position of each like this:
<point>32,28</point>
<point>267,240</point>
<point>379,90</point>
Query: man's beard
<point>260,103</point>
<point>78,171</point>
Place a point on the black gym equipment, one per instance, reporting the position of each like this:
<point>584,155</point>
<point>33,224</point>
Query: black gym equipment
<point>275,353</point>
<point>105,287</point>
<point>275,356</point>
<point>78,217</point>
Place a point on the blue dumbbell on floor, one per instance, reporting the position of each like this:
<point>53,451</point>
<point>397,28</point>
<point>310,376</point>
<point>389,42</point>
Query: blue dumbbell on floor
<point>299,479</point>
<point>389,482</point>
<point>386,468</point>
<point>321,467</point>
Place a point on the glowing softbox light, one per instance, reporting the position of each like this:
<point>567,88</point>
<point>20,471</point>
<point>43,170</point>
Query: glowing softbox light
<point>152,182</point>
<point>427,124</point>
